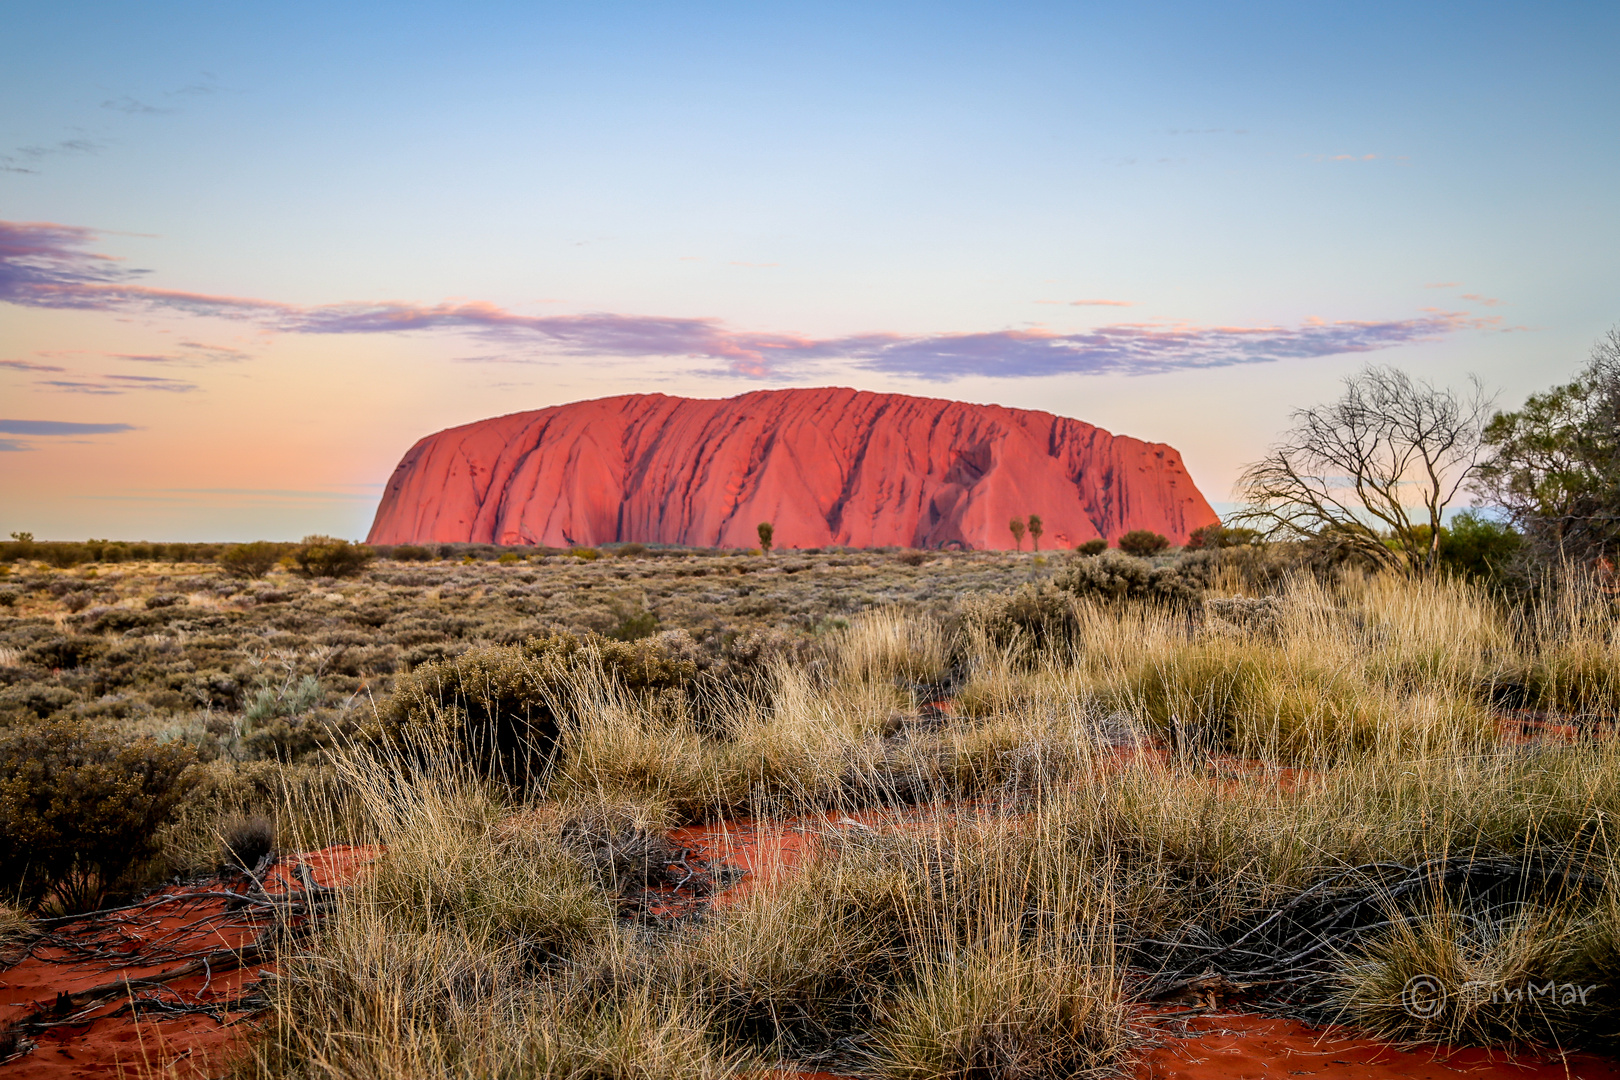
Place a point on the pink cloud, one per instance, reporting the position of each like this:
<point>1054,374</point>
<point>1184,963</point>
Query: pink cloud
<point>45,265</point>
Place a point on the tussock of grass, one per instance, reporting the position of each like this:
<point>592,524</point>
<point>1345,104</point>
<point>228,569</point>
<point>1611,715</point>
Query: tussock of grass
<point>1002,1012</point>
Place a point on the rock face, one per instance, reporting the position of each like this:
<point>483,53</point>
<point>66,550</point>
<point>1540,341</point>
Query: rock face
<point>825,466</point>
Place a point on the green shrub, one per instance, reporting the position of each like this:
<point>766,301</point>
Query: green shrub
<point>1036,616</point>
<point>585,553</point>
<point>411,553</point>
<point>1219,536</point>
<point>1116,577</point>
<point>634,625</point>
<point>250,560</point>
<point>1477,546</point>
<point>1143,543</point>
<point>63,555</point>
<point>326,556</point>
<point>80,810</point>
<point>1093,547</point>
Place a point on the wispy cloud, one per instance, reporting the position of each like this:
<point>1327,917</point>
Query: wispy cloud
<point>47,265</point>
<point>60,427</point>
<point>134,107</point>
<point>193,354</point>
<point>63,146</point>
<point>117,384</point>
<point>28,365</point>
<point>1090,303</point>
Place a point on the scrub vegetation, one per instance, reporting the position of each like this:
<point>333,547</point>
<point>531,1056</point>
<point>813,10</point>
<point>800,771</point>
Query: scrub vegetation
<point>1033,796</point>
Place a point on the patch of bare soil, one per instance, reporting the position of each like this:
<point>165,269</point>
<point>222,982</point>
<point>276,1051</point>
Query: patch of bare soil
<point>161,987</point>
<point>1242,1046</point>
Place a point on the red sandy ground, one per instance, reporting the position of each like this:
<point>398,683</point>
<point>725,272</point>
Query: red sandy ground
<point>1202,1045</point>
<point>111,1041</point>
<point>1192,1045</point>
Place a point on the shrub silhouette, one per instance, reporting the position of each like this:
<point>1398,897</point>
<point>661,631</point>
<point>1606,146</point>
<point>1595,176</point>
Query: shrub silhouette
<point>1036,528</point>
<point>766,533</point>
<point>326,556</point>
<point>1093,547</point>
<point>1143,543</point>
<point>80,809</point>
<point>250,560</point>
<point>1016,525</point>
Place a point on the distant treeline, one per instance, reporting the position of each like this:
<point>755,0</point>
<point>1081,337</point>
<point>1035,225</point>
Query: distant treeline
<point>67,553</point>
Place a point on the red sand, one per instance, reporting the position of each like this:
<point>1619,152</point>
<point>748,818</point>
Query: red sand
<point>103,1037</point>
<point>827,466</point>
<point>1241,1046</point>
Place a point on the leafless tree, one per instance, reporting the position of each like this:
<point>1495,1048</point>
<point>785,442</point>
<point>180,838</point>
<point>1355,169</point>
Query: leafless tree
<point>1373,471</point>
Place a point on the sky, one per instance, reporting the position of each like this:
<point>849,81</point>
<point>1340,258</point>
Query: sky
<point>250,253</point>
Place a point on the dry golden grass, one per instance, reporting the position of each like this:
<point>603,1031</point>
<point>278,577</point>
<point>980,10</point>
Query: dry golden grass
<point>1157,786</point>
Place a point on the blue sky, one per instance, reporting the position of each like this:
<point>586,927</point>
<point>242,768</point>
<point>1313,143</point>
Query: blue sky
<point>287,241</point>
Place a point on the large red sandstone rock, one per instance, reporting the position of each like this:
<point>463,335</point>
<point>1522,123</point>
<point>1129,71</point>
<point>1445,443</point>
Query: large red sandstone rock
<point>826,466</point>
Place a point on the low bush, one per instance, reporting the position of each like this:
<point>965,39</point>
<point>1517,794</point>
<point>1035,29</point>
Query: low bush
<point>251,560</point>
<point>1092,547</point>
<point>411,553</point>
<point>80,809</point>
<point>1143,543</point>
<point>1219,536</point>
<point>326,556</point>
<point>1032,617</point>
<point>1116,577</point>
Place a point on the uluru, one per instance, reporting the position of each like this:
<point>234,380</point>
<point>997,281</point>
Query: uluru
<point>828,466</point>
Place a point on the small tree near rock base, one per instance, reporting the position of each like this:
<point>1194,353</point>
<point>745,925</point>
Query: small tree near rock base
<point>767,535</point>
<point>1017,527</point>
<point>1036,528</point>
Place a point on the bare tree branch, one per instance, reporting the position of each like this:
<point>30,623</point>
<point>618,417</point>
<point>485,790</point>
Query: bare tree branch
<point>1373,471</point>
